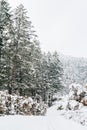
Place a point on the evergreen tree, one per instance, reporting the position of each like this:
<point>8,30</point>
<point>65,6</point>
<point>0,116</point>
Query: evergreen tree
<point>21,47</point>
<point>55,72</point>
<point>5,40</point>
<point>51,75</point>
<point>37,64</point>
<point>25,52</point>
<point>44,77</point>
<point>23,67</point>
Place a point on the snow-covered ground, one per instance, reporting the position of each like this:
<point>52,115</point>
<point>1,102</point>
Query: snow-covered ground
<point>52,121</point>
<point>79,116</point>
<point>68,112</point>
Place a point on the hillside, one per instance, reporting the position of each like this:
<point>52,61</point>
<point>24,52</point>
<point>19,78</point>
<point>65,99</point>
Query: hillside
<point>75,69</point>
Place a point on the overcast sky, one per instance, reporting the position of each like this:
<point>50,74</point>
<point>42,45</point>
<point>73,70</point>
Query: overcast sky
<point>60,24</point>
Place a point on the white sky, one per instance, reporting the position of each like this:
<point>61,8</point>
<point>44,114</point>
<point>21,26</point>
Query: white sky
<point>60,24</point>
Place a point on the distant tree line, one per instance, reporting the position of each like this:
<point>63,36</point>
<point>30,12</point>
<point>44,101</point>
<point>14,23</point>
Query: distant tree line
<point>75,70</point>
<point>23,67</point>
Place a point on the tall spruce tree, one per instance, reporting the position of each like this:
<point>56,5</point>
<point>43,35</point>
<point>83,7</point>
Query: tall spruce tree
<point>55,71</point>
<point>5,40</point>
<point>26,50</point>
<point>22,45</point>
<point>44,77</point>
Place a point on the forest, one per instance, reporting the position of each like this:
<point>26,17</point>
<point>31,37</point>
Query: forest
<point>24,68</point>
<point>43,90</point>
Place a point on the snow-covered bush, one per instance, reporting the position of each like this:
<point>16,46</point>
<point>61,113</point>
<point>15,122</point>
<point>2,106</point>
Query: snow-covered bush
<point>67,104</point>
<point>74,105</point>
<point>77,92</point>
<point>14,104</point>
<point>75,99</point>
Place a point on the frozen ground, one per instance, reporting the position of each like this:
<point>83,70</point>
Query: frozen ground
<point>79,115</point>
<point>52,121</point>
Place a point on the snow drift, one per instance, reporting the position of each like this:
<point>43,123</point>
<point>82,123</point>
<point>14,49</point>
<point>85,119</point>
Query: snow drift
<point>74,105</point>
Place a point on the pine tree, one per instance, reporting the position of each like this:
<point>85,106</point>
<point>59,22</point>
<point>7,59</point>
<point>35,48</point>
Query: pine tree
<point>37,64</point>
<point>44,77</point>
<point>5,31</point>
<point>23,63</point>
<point>55,71</point>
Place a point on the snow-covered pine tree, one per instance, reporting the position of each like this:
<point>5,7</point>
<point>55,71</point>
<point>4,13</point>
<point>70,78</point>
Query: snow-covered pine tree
<point>26,50</point>
<point>55,72</point>
<point>5,42</point>
<point>51,75</point>
<point>36,60</point>
<point>22,47</point>
<point>44,77</point>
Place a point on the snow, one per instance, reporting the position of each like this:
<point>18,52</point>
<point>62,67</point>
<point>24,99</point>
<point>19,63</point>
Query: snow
<point>79,116</point>
<point>52,121</point>
<point>37,123</point>
<point>67,113</point>
<point>74,105</point>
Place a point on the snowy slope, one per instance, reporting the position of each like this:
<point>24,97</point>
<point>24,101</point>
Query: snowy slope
<point>55,119</point>
<point>75,69</point>
<point>52,121</point>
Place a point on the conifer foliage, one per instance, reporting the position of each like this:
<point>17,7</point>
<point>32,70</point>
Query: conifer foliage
<point>5,38</point>
<point>23,67</point>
